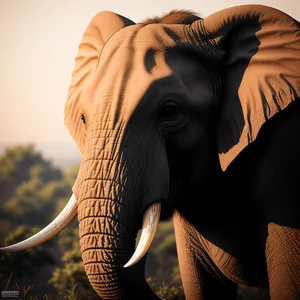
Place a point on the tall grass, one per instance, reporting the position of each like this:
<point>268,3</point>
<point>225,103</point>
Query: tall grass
<point>26,292</point>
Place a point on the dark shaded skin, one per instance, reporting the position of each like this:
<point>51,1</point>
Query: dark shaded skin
<point>252,240</point>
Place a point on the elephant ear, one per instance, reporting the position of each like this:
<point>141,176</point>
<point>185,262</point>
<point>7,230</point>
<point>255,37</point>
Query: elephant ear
<point>260,70</point>
<point>99,30</point>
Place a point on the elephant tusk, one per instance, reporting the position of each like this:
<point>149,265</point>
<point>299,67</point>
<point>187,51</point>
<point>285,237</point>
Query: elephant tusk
<point>149,228</point>
<point>65,217</point>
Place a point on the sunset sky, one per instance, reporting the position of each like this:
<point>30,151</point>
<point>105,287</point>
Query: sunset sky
<point>39,40</point>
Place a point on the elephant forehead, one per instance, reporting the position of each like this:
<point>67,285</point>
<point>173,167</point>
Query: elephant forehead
<point>155,36</point>
<point>139,48</point>
<point>130,62</point>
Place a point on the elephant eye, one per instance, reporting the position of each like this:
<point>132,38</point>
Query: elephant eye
<point>169,112</point>
<point>82,118</point>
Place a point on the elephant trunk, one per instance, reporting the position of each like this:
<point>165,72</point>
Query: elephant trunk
<point>107,225</point>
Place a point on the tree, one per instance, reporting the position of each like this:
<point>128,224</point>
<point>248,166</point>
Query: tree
<point>29,185</point>
<point>18,164</point>
<point>26,262</point>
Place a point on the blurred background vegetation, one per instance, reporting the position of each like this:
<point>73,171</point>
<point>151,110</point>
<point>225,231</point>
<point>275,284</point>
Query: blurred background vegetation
<point>32,193</point>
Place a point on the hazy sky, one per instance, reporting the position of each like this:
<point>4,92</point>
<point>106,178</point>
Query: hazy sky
<point>39,41</point>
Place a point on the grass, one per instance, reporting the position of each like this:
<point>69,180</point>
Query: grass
<point>26,292</point>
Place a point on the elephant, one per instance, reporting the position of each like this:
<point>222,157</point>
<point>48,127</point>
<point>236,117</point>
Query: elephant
<point>195,119</point>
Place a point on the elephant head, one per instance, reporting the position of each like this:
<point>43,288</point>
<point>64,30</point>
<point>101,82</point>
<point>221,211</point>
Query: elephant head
<point>158,108</point>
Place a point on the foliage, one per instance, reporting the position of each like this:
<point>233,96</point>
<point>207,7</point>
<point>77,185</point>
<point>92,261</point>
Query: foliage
<point>163,253</point>
<point>250,293</point>
<point>71,175</point>
<point>164,290</point>
<point>22,263</point>
<point>26,292</point>
<point>71,293</point>
<point>20,163</point>
<point>29,186</point>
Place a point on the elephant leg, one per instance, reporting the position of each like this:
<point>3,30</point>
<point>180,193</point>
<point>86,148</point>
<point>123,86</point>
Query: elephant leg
<point>201,279</point>
<point>283,261</point>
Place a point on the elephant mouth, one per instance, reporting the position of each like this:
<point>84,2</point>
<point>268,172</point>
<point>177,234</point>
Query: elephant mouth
<point>150,223</point>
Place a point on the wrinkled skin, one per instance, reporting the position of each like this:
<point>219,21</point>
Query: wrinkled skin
<point>173,113</point>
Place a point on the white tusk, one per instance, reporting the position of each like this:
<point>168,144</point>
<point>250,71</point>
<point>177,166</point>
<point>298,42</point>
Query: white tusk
<point>65,217</point>
<point>149,228</point>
